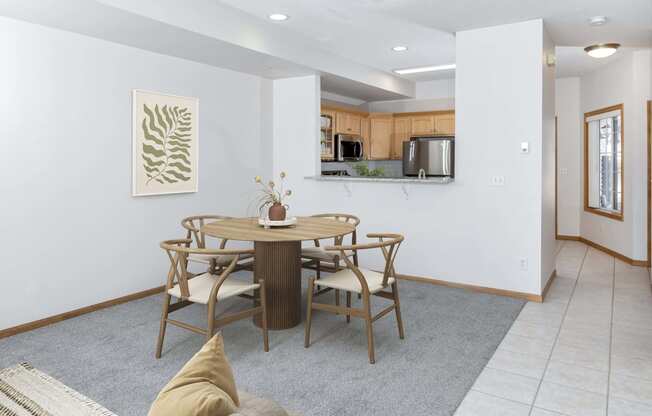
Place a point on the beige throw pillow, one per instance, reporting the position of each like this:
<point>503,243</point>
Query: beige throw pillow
<point>204,386</point>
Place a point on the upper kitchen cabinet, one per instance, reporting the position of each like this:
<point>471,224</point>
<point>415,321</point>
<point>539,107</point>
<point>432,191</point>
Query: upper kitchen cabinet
<point>403,129</point>
<point>327,136</point>
<point>440,124</point>
<point>348,123</point>
<point>366,137</point>
<point>383,134</point>
<point>445,124</point>
<point>423,125</point>
<point>381,131</point>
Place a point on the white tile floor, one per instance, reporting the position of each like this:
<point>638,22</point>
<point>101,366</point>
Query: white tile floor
<point>587,350</point>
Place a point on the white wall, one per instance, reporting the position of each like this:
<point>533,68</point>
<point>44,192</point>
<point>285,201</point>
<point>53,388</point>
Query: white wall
<point>330,96</point>
<point>266,127</point>
<point>296,129</point>
<point>430,96</point>
<point>625,81</point>
<point>438,88</point>
<point>548,235</point>
<point>569,166</point>
<point>72,233</point>
<point>468,231</point>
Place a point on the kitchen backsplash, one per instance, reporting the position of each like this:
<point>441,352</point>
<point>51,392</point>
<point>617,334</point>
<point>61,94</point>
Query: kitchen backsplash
<point>391,168</point>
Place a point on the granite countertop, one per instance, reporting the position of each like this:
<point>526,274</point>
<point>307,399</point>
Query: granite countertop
<point>402,179</point>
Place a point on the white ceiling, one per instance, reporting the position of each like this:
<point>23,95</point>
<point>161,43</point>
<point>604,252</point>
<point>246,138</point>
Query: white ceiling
<point>361,30</point>
<point>365,30</point>
<point>347,42</point>
<point>566,20</point>
<point>212,33</point>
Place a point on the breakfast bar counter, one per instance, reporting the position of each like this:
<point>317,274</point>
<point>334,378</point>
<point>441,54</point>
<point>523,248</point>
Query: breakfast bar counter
<point>403,180</point>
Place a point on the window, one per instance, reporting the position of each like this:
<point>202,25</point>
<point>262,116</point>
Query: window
<point>603,162</point>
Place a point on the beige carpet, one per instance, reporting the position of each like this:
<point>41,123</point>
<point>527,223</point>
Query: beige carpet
<point>25,391</point>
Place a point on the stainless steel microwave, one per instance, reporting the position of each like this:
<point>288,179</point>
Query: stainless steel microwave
<point>348,147</point>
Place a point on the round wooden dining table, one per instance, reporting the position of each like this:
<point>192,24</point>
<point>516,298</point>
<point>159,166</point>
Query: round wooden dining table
<point>278,259</point>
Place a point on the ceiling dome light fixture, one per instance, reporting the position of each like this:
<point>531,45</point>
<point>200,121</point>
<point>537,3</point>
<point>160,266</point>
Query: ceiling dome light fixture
<point>400,48</point>
<point>598,21</point>
<point>602,50</point>
<point>278,17</point>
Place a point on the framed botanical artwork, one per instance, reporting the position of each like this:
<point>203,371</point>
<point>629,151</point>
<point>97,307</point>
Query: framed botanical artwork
<point>165,143</point>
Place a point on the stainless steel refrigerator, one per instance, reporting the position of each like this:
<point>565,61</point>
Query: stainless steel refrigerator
<point>429,156</point>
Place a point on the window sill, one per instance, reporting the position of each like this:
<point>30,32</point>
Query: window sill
<point>618,216</point>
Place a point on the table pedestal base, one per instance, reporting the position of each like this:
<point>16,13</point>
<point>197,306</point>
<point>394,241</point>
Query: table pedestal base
<point>279,263</point>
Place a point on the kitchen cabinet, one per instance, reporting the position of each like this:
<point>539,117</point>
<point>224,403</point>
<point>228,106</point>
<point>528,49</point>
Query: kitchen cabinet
<point>423,125</point>
<point>332,114</point>
<point>445,124</point>
<point>354,124</point>
<point>381,131</point>
<point>403,127</point>
<point>348,123</point>
<point>327,136</point>
<point>383,134</point>
<point>340,122</point>
<point>366,142</point>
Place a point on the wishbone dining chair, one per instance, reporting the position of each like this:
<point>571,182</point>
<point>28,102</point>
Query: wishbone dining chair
<point>207,289</point>
<point>363,281</point>
<point>193,226</point>
<point>318,259</point>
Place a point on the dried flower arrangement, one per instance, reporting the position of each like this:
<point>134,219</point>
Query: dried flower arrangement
<point>273,198</point>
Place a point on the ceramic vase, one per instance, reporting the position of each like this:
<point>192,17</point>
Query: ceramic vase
<point>277,212</point>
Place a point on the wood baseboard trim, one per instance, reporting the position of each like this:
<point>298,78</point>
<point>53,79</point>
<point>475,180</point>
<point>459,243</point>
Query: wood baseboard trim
<point>617,255</point>
<point>553,275</point>
<point>78,312</point>
<point>482,289</point>
<point>641,263</point>
<point>568,237</point>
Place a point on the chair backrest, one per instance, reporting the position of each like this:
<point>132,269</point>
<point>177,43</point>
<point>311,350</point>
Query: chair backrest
<point>348,218</point>
<point>194,224</point>
<point>388,243</point>
<point>178,251</point>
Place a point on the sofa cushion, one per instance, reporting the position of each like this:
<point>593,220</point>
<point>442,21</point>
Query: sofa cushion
<point>204,386</point>
<point>251,405</point>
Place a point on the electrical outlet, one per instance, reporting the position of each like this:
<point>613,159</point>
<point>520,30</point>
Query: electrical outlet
<point>523,263</point>
<point>497,181</point>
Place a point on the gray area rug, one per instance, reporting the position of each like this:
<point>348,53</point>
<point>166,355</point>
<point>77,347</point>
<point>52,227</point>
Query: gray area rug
<point>450,335</point>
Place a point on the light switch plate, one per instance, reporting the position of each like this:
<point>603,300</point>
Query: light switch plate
<point>525,147</point>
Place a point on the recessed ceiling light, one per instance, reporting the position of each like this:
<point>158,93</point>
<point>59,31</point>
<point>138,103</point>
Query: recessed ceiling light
<point>278,17</point>
<point>400,48</point>
<point>602,50</point>
<point>598,21</point>
<point>424,69</point>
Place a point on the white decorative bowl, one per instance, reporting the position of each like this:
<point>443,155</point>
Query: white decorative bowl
<point>285,223</point>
